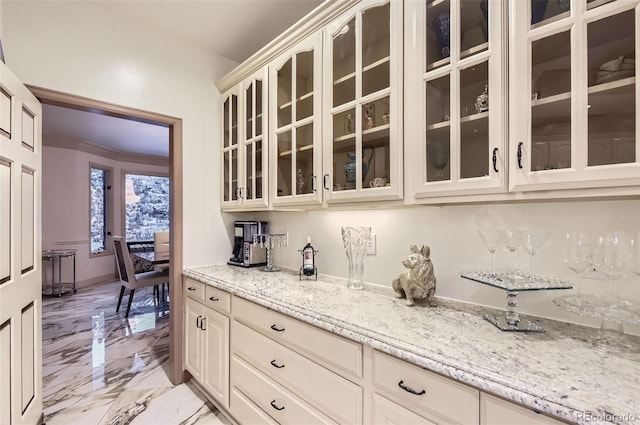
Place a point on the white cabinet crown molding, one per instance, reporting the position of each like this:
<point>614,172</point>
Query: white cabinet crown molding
<point>314,20</point>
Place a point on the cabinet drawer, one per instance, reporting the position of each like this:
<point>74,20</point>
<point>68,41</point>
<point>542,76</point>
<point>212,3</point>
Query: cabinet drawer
<point>387,412</point>
<point>336,353</point>
<point>194,289</point>
<point>437,396</point>
<point>217,299</point>
<point>280,404</point>
<point>496,411</point>
<point>245,412</point>
<point>330,393</point>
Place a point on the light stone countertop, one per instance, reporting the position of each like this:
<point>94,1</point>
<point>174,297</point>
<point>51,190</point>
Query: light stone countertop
<point>556,372</point>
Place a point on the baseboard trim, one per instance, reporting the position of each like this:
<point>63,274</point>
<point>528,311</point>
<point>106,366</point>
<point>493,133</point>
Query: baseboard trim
<point>95,280</point>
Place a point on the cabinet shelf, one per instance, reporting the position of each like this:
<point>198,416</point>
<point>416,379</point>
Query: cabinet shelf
<point>439,125</point>
<point>289,152</point>
<point>629,81</point>
<point>438,63</point>
<point>299,99</point>
<point>376,64</point>
<point>474,117</point>
<point>345,78</point>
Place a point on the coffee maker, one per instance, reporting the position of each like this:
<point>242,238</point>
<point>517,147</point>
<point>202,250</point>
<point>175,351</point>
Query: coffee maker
<point>245,252</point>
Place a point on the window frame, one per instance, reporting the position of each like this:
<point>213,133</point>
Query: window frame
<point>108,210</point>
<point>123,210</point>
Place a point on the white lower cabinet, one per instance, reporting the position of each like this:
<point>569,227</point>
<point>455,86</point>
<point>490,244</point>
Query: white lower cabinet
<point>207,343</point>
<point>496,411</point>
<point>290,385</point>
<point>387,412</point>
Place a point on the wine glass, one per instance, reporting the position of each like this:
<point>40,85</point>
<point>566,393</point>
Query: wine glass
<point>577,253</point>
<point>614,256</point>
<point>438,153</point>
<point>491,239</point>
<point>635,254</point>
<point>533,241</point>
<point>512,241</point>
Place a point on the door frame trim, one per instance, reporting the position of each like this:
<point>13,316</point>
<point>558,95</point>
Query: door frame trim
<point>52,97</point>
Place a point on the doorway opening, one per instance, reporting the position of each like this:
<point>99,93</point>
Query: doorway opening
<point>52,97</point>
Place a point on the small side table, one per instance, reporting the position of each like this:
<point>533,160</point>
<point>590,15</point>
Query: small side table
<point>57,287</point>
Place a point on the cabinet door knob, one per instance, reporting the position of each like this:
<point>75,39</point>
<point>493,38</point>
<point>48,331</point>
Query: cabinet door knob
<point>313,183</point>
<point>202,324</point>
<point>324,181</point>
<point>520,154</point>
<point>191,288</point>
<point>277,329</point>
<point>274,364</point>
<point>410,390</point>
<point>214,299</point>
<point>273,404</point>
<point>198,321</point>
<point>495,159</point>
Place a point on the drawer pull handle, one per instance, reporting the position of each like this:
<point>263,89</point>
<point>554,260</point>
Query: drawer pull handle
<point>273,404</point>
<point>410,390</point>
<point>191,288</point>
<point>274,364</point>
<point>214,299</point>
<point>277,329</point>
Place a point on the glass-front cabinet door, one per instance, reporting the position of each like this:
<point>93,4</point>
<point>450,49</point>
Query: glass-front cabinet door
<point>574,94</point>
<point>454,96</point>
<point>363,82</point>
<point>230,149</point>
<point>244,143</point>
<point>295,110</point>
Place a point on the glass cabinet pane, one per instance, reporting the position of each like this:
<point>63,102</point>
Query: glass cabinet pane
<point>344,148</point>
<point>438,42</point>
<point>258,168</point>
<point>304,159</point>
<point>474,121</point>
<point>249,169</point>
<point>474,21</point>
<point>258,117</point>
<point>225,188</point>
<point>344,64</point>
<point>438,118</point>
<point>375,49</point>
<point>545,11</point>
<point>284,94</point>
<point>234,174</point>
<point>284,164</point>
<point>234,120</point>
<point>551,102</point>
<point>226,122</point>
<point>611,93</point>
<point>304,85</point>
<point>248,107</point>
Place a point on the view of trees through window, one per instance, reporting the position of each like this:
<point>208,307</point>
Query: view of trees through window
<point>146,205</point>
<point>98,209</point>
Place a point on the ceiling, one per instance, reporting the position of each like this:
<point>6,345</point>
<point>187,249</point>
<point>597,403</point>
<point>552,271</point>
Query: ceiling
<point>211,24</point>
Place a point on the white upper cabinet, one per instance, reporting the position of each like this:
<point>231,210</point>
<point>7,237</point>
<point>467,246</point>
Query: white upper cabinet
<point>574,94</point>
<point>362,103</point>
<point>245,143</point>
<point>295,110</point>
<point>455,96</point>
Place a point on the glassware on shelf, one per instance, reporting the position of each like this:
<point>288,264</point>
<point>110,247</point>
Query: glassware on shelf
<point>578,254</point>
<point>635,254</point>
<point>511,320</point>
<point>613,258</point>
<point>356,242</point>
<point>491,239</point>
<point>438,152</point>
<point>270,241</point>
<point>533,241</point>
<point>512,240</point>
<point>369,118</point>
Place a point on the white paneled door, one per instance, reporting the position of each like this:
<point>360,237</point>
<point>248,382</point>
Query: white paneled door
<point>20,253</point>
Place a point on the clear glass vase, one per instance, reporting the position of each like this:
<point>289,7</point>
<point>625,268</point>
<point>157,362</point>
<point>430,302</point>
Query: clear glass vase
<point>356,242</point>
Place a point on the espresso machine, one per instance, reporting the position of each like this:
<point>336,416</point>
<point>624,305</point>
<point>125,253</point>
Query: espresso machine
<point>245,252</point>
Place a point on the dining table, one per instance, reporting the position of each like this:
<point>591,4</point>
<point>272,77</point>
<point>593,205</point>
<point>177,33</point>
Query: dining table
<point>152,258</point>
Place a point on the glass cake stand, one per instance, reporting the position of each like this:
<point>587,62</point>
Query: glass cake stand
<point>513,283</point>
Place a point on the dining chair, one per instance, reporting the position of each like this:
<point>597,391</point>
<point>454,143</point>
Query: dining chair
<point>128,278</point>
<point>160,245</point>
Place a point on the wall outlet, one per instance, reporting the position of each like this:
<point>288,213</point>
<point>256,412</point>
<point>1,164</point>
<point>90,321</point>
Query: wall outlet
<point>372,247</point>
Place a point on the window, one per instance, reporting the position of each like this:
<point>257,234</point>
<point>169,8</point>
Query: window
<point>146,206</point>
<point>98,218</point>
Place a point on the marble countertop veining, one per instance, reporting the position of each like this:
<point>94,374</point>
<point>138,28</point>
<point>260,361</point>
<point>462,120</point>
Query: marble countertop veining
<point>556,372</point>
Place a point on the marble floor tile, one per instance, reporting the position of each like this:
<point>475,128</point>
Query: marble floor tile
<point>104,369</point>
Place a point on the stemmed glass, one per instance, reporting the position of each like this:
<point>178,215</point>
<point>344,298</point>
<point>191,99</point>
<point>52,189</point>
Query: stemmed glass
<point>533,241</point>
<point>635,254</point>
<point>511,240</point>
<point>614,258</point>
<point>491,239</point>
<point>577,255</point>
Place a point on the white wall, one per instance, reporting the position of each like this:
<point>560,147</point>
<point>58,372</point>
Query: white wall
<point>452,234</point>
<point>65,208</point>
<point>83,49</point>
